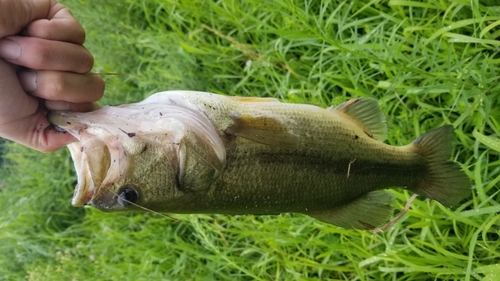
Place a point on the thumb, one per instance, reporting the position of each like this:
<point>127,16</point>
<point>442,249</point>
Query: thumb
<point>35,131</point>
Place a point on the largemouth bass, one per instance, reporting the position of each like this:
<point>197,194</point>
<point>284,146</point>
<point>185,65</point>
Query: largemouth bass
<point>195,152</point>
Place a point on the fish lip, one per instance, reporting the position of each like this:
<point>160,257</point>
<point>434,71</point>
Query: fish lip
<point>82,196</point>
<point>85,187</point>
<point>64,121</point>
<point>57,128</point>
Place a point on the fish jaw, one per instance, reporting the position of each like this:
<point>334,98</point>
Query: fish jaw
<point>100,158</point>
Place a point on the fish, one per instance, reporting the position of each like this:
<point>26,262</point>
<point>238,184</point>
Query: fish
<point>188,152</point>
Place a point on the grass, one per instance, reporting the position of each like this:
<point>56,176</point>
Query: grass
<point>429,63</point>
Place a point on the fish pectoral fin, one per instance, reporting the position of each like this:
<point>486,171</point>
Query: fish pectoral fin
<point>262,129</point>
<point>253,99</point>
<point>368,212</point>
<point>367,114</point>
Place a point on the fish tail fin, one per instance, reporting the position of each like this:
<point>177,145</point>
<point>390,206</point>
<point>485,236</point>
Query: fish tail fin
<point>445,181</point>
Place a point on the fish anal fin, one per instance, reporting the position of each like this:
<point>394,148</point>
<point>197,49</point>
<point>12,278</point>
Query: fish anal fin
<point>262,129</point>
<point>367,114</point>
<point>368,212</point>
<point>253,99</point>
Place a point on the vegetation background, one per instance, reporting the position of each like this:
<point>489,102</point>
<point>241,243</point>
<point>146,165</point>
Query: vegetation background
<point>429,63</point>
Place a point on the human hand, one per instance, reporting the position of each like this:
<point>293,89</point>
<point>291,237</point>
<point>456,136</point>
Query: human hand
<point>43,66</point>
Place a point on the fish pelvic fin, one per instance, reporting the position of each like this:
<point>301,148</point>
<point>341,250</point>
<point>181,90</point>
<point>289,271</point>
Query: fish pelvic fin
<point>445,181</point>
<point>370,211</point>
<point>367,114</point>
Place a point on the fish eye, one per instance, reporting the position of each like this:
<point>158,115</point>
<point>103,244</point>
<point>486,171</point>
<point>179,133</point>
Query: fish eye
<point>127,195</point>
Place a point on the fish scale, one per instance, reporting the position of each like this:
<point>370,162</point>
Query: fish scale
<point>195,152</point>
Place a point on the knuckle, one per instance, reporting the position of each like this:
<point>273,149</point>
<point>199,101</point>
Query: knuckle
<point>86,62</point>
<point>80,35</point>
<point>100,87</point>
<point>38,28</point>
<point>52,86</point>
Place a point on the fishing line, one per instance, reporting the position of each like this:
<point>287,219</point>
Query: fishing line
<point>396,218</point>
<point>142,207</point>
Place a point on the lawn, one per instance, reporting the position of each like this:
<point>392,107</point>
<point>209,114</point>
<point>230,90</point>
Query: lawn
<point>429,63</point>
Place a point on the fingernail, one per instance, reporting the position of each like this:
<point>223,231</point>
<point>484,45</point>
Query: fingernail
<point>9,49</point>
<point>57,105</point>
<point>28,81</point>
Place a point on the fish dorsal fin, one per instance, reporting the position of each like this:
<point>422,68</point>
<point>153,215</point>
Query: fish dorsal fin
<point>253,99</point>
<point>367,114</point>
<point>368,212</point>
<point>262,128</point>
